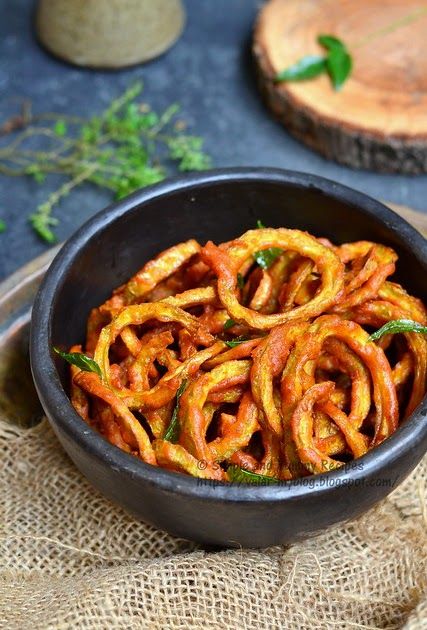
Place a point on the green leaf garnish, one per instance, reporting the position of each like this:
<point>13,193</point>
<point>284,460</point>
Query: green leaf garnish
<point>240,281</point>
<point>337,63</point>
<point>330,42</point>
<point>80,360</point>
<point>229,324</point>
<point>172,432</point>
<point>235,342</point>
<point>398,326</point>
<point>266,257</point>
<point>240,475</point>
<point>339,67</point>
<point>260,225</point>
<point>306,68</point>
<point>2,226</point>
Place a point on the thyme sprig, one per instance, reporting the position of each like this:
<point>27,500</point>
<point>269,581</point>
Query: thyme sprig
<point>126,147</point>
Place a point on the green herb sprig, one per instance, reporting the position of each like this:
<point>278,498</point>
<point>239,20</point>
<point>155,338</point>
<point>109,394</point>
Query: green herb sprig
<point>398,326</point>
<point>240,281</point>
<point>240,475</point>
<point>266,257</point>
<point>307,67</point>
<point>229,324</point>
<point>172,432</point>
<point>337,63</point>
<point>80,360</point>
<point>126,147</point>
<point>235,342</point>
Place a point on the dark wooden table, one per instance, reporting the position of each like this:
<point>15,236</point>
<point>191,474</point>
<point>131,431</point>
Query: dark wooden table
<point>209,72</point>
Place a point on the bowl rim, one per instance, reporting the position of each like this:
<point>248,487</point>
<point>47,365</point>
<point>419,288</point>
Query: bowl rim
<point>56,401</point>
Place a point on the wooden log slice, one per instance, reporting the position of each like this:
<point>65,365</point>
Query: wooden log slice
<point>379,119</point>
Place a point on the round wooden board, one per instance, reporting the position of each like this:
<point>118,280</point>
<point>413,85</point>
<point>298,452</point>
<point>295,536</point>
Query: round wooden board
<point>379,119</point>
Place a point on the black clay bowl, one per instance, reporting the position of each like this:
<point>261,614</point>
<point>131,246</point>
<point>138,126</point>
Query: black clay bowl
<point>218,205</point>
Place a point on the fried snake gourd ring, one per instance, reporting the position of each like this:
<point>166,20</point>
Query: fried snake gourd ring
<point>176,457</point>
<point>159,268</point>
<point>226,264</point>
<point>302,429</point>
<point>350,363</point>
<point>192,297</point>
<point>192,418</point>
<point>140,286</point>
<point>167,387</point>
<point>394,293</point>
<point>238,432</point>
<point>373,264</point>
<point>341,359</point>
<point>92,384</point>
<point>378,312</point>
<point>298,374</point>
<point>311,456</point>
<point>269,360</point>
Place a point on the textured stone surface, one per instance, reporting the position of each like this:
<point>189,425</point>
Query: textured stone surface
<point>209,72</point>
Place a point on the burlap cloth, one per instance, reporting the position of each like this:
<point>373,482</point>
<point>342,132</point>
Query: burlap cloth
<point>70,559</point>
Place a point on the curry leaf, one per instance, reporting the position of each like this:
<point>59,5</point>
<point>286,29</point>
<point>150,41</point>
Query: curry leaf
<point>80,360</point>
<point>229,324</point>
<point>339,63</point>
<point>240,475</point>
<point>235,342</point>
<point>266,257</point>
<point>398,326</point>
<point>306,68</point>
<point>330,42</point>
<point>172,432</point>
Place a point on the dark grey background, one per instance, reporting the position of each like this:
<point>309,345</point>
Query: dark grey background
<point>208,72</point>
